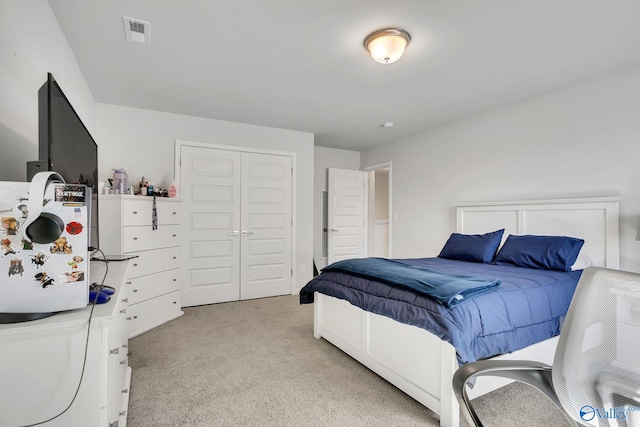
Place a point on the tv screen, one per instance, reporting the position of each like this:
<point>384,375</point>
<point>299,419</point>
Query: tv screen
<point>66,146</point>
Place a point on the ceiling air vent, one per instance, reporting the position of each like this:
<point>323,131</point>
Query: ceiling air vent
<point>136,30</point>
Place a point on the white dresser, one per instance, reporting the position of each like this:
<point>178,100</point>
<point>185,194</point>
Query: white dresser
<point>41,363</point>
<point>153,279</point>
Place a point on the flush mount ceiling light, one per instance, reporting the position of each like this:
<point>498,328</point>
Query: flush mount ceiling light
<point>388,45</point>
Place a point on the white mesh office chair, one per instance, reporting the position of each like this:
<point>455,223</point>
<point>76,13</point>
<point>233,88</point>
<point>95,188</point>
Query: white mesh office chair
<point>595,377</point>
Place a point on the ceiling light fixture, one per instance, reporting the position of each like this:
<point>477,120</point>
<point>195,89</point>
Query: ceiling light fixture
<point>387,46</point>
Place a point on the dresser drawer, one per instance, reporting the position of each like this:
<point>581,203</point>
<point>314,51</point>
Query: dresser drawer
<point>153,311</point>
<point>145,238</point>
<point>150,286</point>
<point>153,261</point>
<point>140,212</point>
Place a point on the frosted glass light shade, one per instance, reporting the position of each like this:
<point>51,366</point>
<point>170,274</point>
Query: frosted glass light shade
<point>388,45</point>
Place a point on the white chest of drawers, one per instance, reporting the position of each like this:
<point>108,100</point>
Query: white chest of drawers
<point>153,277</point>
<point>41,364</point>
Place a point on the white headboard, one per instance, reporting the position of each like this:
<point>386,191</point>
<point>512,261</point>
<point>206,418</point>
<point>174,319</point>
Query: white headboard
<point>595,220</point>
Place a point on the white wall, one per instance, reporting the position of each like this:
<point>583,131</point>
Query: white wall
<point>142,142</point>
<point>31,45</point>
<point>578,142</point>
<point>327,158</point>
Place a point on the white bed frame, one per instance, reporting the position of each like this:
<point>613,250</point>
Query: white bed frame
<point>421,364</point>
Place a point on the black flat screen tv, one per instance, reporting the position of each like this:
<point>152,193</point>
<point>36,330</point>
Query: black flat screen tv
<point>65,145</point>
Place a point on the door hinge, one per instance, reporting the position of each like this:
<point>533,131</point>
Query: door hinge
<point>292,271</point>
<point>291,171</point>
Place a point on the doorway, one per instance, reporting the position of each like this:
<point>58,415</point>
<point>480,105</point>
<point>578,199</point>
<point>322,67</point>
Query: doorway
<point>356,214</point>
<point>379,210</point>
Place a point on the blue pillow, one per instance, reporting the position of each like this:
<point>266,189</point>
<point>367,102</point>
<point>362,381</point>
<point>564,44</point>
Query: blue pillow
<point>542,252</point>
<point>472,247</point>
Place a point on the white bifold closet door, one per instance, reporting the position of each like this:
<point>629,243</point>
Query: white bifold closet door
<point>238,225</point>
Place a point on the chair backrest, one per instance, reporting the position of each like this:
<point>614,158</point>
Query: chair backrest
<point>596,370</point>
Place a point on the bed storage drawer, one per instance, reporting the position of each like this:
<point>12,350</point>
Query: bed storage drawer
<point>383,343</point>
<point>348,326</point>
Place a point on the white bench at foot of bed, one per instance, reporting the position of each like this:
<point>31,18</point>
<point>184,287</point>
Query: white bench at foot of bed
<point>414,360</point>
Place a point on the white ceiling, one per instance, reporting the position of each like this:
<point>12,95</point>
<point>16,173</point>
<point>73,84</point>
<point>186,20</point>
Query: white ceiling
<point>300,64</point>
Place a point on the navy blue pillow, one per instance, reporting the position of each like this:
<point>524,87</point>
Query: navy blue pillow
<point>542,252</point>
<point>472,247</point>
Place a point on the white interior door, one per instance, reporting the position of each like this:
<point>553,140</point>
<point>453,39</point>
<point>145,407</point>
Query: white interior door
<point>266,226</point>
<point>346,214</point>
<point>238,225</point>
<point>210,189</point>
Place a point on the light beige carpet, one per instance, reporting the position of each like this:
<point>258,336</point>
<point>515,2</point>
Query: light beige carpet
<point>256,363</point>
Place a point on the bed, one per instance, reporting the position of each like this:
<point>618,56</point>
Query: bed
<point>420,359</point>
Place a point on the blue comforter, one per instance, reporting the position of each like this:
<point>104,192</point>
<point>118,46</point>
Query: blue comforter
<point>529,306</point>
<point>448,289</point>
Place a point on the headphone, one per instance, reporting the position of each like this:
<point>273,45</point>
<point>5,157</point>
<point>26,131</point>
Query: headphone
<point>41,227</point>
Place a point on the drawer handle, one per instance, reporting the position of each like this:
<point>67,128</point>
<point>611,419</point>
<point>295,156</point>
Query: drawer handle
<point>123,413</point>
<point>129,318</point>
<point>115,351</point>
<point>174,235</point>
<point>123,311</point>
<point>175,280</point>
<point>175,257</point>
<point>123,362</point>
<point>125,391</point>
<point>135,212</point>
<point>135,317</point>
<point>135,238</point>
<point>135,290</point>
<point>175,302</point>
<point>135,265</point>
<point>129,282</point>
<point>174,213</point>
<point>125,300</point>
<point>125,345</point>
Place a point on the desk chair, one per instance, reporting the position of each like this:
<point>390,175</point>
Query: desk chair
<point>595,377</point>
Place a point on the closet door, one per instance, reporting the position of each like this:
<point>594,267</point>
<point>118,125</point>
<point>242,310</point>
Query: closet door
<point>266,226</point>
<point>210,189</point>
<point>238,225</point>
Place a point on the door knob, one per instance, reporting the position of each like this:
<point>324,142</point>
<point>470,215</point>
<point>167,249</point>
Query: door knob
<point>246,233</point>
